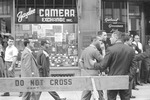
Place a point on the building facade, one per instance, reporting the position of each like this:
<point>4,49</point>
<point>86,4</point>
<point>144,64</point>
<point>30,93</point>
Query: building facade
<point>69,25</point>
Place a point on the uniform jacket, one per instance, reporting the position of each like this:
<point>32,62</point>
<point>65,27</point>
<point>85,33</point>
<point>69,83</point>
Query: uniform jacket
<point>90,53</point>
<point>143,56</point>
<point>147,60</point>
<point>28,64</point>
<point>43,61</point>
<point>119,59</point>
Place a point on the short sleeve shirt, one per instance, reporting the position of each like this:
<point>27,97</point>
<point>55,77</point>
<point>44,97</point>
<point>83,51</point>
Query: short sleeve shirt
<point>10,53</point>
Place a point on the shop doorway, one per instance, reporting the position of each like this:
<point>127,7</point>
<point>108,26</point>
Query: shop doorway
<point>134,25</point>
<point>147,20</point>
<point>5,30</point>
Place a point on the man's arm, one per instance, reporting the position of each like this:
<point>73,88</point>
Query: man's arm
<point>105,62</point>
<point>97,56</point>
<point>133,66</point>
<point>81,64</point>
<point>27,61</point>
<point>142,56</point>
<point>38,58</point>
<point>15,55</point>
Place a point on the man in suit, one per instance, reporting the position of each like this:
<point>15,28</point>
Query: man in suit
<point>29,66</point>
<point>119,59</point>
<point>88,55</point>
<point>43,61</point>
<point>146,67</point>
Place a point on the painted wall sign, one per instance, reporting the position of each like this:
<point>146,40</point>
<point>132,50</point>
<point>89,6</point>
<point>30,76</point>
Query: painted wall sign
<point>111,20</point>
<point>41,15</point>
<point>21,15</point>
<point>110,27</point>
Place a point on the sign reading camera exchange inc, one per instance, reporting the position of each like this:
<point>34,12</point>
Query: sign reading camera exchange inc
<point>41,15</point>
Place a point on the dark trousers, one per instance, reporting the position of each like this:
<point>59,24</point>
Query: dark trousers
<point>124,94</point>
<point>138,74</point>
<point>86,95</point>
<point>146,73</point>
<point>131,86</point>
<point>52,93</point>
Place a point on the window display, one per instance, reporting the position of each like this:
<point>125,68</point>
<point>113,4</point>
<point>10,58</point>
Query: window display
<point>62,37</point>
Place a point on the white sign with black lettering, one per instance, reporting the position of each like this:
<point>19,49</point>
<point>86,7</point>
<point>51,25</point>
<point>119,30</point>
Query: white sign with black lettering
<point>63,83</point>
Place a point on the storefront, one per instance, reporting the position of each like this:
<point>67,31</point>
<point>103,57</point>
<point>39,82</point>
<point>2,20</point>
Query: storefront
<point>126,16</point>
<point>69,25</point>
<point>55,21</point>
<point>5,20</point>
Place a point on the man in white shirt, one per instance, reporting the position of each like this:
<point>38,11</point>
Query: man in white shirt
<point>11,54</point>
<point>137,43</point>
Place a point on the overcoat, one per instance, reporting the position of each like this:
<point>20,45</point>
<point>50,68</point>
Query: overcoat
<point>29,64</point>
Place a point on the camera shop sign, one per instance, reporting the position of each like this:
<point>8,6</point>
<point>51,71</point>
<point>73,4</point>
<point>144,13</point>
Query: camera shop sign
<point>47,16</point>
<point>111,25</point>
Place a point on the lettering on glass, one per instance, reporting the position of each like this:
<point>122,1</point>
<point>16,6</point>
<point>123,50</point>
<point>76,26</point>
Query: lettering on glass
<point>22,15</point>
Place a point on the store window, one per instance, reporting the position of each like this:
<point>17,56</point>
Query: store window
<point>114,15</point>
<point>62,37</point>
<point>52,20</point>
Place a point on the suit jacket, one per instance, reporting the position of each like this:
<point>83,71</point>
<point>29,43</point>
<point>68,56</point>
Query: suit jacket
<point>119,59</point>
<point>147,60</point>
<point>28,64</point>
<point>43,61</point>
<point>143,56</point>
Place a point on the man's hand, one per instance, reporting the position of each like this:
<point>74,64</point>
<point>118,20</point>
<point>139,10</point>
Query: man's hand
<point>137,71</point>
<point>10,69</point>
<point>102,46</point>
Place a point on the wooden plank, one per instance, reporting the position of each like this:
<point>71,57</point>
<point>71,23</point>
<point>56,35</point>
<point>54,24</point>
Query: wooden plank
<point>63,83</point>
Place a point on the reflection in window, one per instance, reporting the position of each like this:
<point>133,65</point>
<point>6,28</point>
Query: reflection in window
<point>4,7</point>
<point>62,37</point>
<point>115,10</point>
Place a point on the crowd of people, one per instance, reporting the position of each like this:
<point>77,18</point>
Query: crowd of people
<point>30,66</point>
<point>120,55</point>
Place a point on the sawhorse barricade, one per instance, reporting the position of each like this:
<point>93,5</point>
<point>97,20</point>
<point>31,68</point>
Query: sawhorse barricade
<point>79,83</point>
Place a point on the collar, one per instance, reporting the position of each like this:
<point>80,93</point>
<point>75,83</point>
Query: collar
<point>91,45</point>
<point>29,49</point>
<point>119,42</point>
<point>46,54</point>
<point>11,46</point>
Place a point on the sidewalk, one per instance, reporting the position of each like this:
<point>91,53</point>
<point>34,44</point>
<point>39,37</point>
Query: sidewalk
<point>142,94</point>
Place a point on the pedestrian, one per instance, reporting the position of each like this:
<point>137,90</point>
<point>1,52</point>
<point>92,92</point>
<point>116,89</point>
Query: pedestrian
<point>128,41</point>
<point>2,65</point>
<point>146,66</point>
<point>10,58</point>
<point>29,67</point>
<point>143,56</point>
<point>44,62</point>
<point>119,59</point>
<point>88,55</point>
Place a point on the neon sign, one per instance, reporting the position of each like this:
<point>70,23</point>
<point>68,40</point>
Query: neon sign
<point>48,16</point>
<point>22,15</point>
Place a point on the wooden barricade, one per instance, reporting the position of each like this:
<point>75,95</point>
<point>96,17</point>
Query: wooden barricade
<point>64,83</point>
